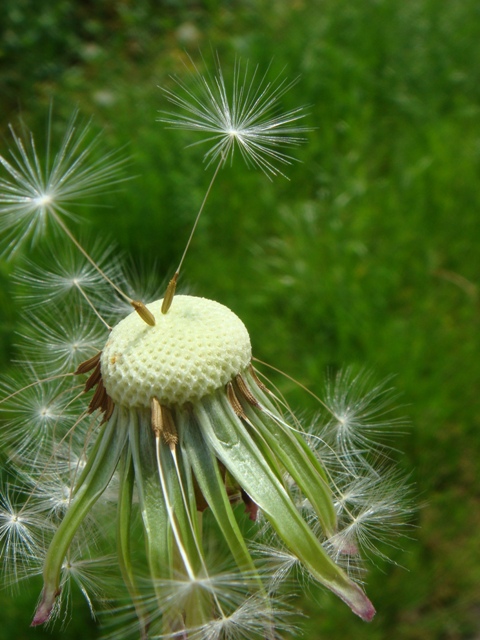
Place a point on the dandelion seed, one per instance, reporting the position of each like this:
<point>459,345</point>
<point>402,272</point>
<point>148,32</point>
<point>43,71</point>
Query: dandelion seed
<point>374,510</point>
<point>66,345</point>
<point>22,531</point>
<point>250,621</point>
<point>360,417</point>
<point>82,573</point>
<point>280,562</point>
<point>67,277</point>
<point>36,192</point>
<point>248,118</point>
<point>44,410</point>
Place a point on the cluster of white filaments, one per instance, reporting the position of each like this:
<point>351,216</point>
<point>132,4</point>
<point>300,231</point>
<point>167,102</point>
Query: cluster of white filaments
<point>246,121</point>
<point>143,449</point>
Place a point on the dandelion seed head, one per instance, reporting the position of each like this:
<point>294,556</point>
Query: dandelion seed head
<point>193,350</point>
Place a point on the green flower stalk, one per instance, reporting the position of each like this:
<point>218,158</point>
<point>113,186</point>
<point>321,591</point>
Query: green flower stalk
<point>163,447</point>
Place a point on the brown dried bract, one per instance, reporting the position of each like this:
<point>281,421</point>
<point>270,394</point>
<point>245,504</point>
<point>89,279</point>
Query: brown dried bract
<point>235,402</point>
<point>245,391</point>
<point>94,378</point>
<point>88,365</point>
<point>100,400</point>
<point>258,381</point>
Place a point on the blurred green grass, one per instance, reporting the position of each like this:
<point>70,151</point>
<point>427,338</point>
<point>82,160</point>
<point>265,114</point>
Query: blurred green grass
<point>367,256</point>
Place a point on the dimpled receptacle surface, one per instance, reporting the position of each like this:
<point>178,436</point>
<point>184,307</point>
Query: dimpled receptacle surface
<point>195,348</point>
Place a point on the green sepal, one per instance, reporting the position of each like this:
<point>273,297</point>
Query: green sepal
<point>152,504</point>
<point>95,478</point>
<point>124,523</point>
<point>297,458</point>
<point>212,486</point>
<point>237,450</point>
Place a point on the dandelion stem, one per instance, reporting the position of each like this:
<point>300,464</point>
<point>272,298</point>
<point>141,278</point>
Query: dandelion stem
<point>139,307</point>
<point>67,231</point>
<point>167,300</point>
<point>90,304</point>
<point>297,382</point>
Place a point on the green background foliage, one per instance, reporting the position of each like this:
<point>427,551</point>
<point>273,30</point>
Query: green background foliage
<point>367,256</point>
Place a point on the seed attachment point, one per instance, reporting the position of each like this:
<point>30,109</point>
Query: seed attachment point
<point>100,400</point>
<point>88,365</point>
<point>245,391</point>
<point>235,402</point>
<point>146,315</point>
<point>163,424</point>
<point>169,293</point>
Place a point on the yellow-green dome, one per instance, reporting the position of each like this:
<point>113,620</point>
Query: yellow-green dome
<point>195,348</point>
